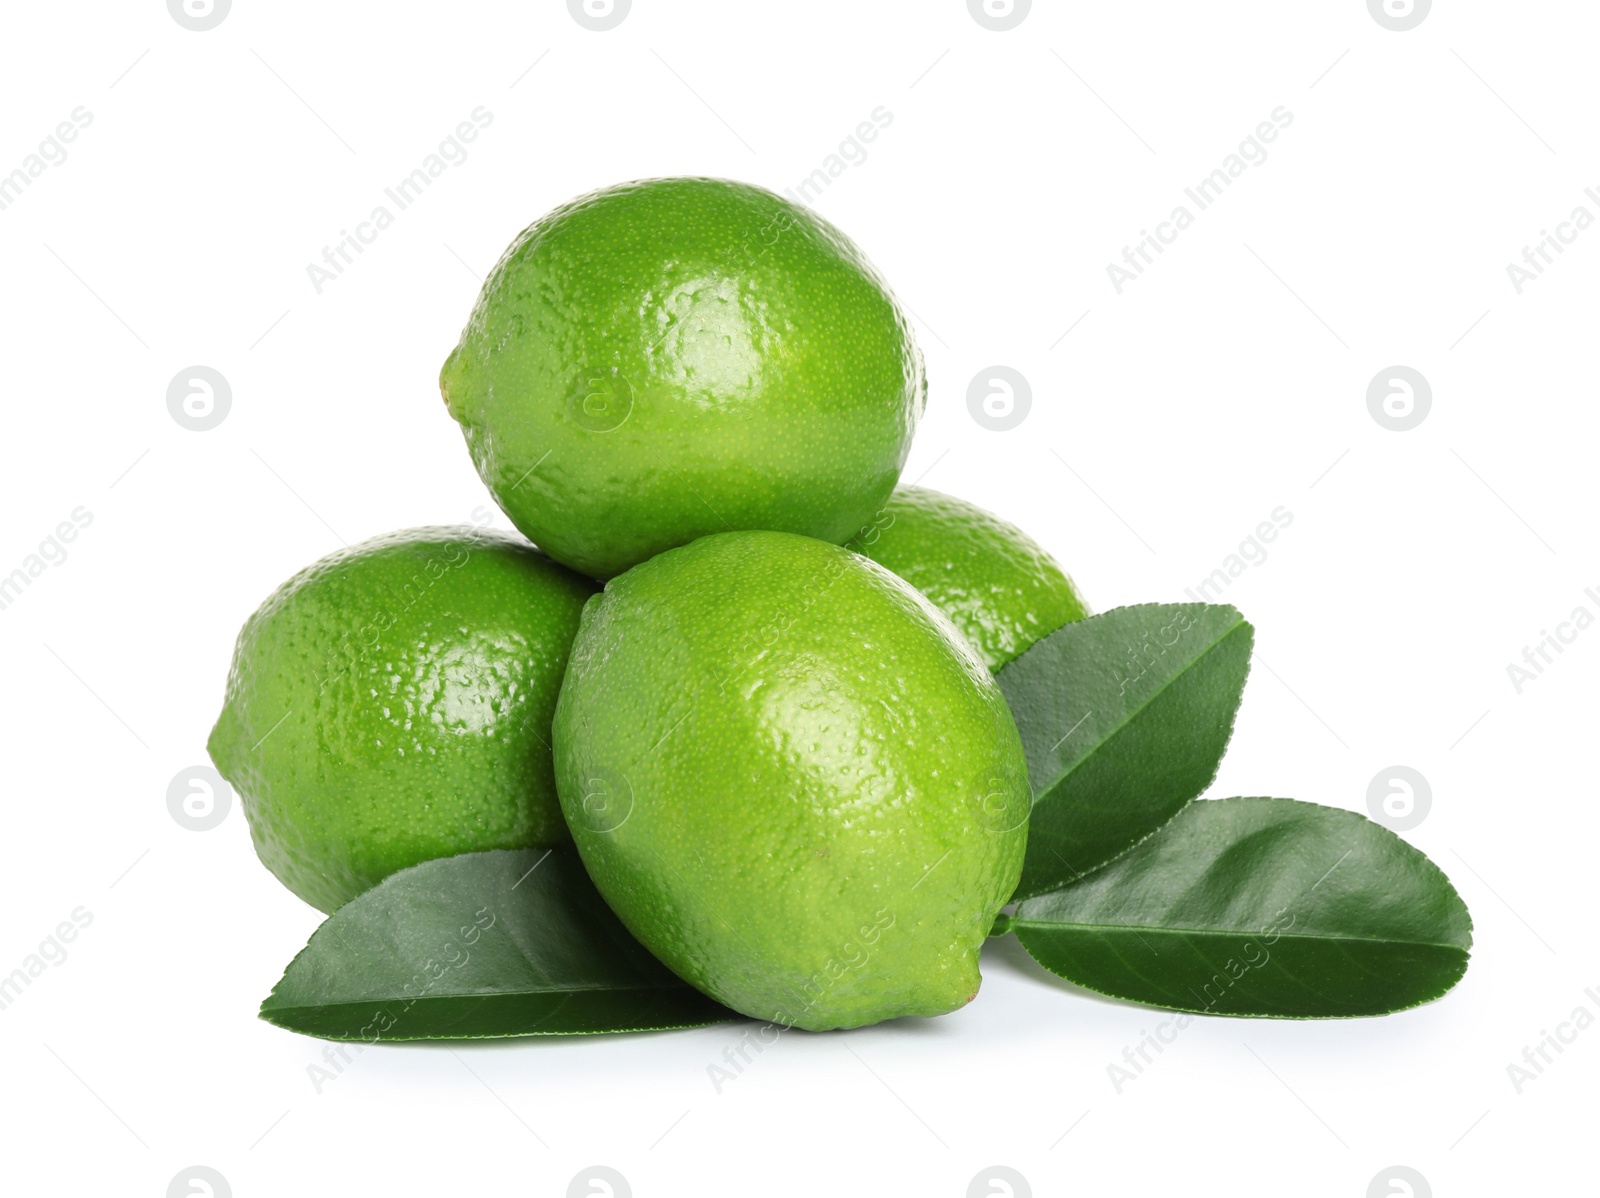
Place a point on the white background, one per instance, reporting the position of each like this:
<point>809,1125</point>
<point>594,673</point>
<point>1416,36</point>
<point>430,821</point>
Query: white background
<point>1170,420</point>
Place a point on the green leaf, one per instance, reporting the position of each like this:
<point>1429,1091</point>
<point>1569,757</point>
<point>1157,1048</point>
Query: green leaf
<point>1124,718</point>
<point>1259,907</point>
<point>514,942</point>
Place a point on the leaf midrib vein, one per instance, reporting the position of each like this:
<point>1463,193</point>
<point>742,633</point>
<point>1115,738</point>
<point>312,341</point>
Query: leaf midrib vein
<point>347,1002</point>
<point>1052,925</point>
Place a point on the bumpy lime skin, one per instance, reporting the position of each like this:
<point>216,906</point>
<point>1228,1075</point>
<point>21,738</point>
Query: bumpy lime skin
<point>999,588</point>
<point>792,780</point>
<point>670,358</point>
<point>392,703</point>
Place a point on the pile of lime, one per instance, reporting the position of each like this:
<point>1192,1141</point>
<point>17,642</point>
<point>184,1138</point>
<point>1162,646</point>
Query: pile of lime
<point>735,669</point>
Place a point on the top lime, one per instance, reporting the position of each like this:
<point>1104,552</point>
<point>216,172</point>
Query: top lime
<point>994,581</point>
<point>675,357</point>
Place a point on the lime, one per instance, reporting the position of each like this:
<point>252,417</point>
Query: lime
<point>999,588</point>
<point>676,357</point>
<point>392,704</point>
<point>792,779</point>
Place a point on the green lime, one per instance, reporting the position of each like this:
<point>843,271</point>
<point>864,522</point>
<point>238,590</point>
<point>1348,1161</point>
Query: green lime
<point>392,704</point>
<point>792,779</point>
<point>675,357</point>
<point>993,580</point>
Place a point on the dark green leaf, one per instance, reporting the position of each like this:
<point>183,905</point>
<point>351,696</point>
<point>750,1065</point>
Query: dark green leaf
<point>1124,717</point>
<point>503,943</point>
<point>1258,907</point>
